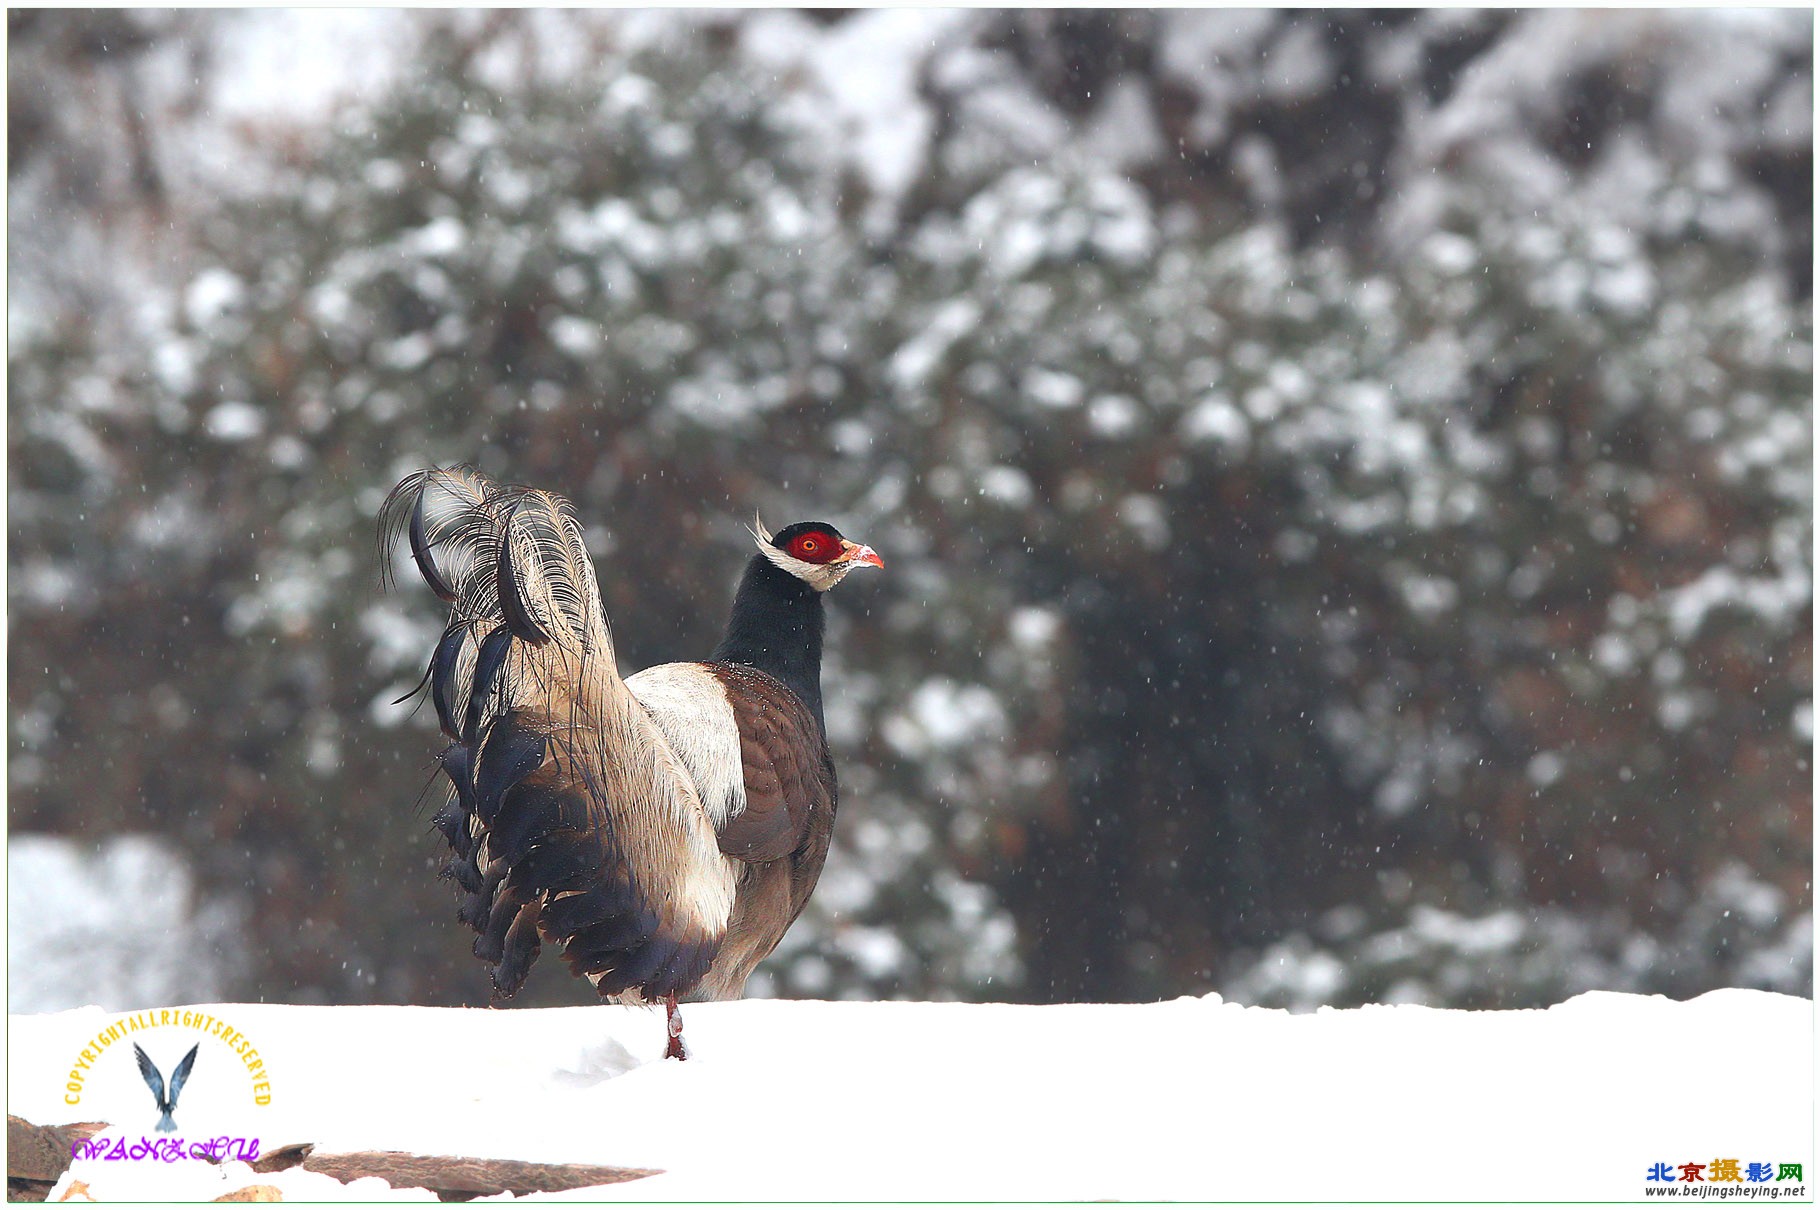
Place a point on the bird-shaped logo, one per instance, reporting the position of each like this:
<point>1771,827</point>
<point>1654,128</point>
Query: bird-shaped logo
<point>167,1103</point>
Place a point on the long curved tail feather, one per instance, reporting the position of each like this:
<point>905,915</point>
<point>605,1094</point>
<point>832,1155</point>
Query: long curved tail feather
<point>570,819</point>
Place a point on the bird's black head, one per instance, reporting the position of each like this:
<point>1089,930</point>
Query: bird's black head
<point>814,552</point>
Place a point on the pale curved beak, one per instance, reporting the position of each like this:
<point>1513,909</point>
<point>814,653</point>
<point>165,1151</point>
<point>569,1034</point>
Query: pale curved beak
<point>853,552</point>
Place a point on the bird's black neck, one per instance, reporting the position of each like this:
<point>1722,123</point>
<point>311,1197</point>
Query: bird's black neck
<point>776,627</point>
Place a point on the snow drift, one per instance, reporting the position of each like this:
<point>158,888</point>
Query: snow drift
<point>793,1100</point>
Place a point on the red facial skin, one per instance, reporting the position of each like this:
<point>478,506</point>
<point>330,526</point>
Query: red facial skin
<point>814,546</point>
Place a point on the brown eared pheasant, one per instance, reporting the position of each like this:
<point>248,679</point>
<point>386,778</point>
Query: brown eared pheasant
<point>664,829</point>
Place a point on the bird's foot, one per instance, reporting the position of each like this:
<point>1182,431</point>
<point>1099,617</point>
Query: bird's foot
<point>673,1022</point>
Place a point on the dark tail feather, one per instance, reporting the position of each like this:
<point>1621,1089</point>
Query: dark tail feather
<point>477,908</point>
<point>459,519</point>
<point>414,690</point>
<point>529,812</point>
<point>453,819</point>
<point>520,951</point>
<point>558,862</point>
<point>572,913</point>
<point>420,552</point>
<point>642,964</point>
<point>457,761</point>
<point>490,947</point>
<point>512,753</point>
<point>445,664</point>
<point>452,822</point>
<point>512,603</point>
<point>493,651</point>
<point>683,971</point>
<point>465,873</point>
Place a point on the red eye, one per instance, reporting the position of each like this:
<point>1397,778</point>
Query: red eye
<point>814,546</point>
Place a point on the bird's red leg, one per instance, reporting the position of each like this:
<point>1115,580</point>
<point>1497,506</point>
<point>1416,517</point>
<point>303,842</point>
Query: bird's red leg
<point>673,1019</point>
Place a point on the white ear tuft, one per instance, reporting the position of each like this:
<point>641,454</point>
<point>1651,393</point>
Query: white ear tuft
<point>760,534</point>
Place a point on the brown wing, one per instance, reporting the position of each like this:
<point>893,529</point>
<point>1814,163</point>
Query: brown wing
<point>789,777</point>
<point>784,830</point>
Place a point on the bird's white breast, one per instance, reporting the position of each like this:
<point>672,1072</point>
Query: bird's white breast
<point>690,707</point>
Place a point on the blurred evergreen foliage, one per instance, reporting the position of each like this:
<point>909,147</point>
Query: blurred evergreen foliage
<point>1319,569</point>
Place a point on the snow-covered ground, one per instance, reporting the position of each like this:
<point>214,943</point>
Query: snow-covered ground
<point>792,1101</point>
